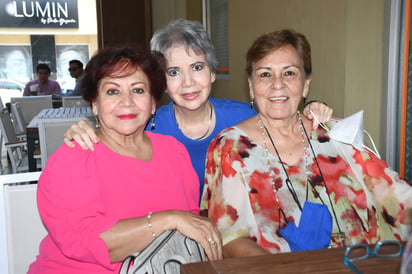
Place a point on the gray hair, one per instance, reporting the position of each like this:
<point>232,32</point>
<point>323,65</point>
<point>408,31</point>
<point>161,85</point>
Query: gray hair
<point>190,34</point>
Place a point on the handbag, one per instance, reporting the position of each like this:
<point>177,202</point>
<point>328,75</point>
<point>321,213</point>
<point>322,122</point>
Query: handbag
<point>164,255</point>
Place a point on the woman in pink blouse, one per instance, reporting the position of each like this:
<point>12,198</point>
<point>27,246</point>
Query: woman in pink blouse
<point>101,206</point>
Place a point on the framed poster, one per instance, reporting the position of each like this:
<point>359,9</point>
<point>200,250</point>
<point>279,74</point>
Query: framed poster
<point>43,52</point>
<point>16,63</point>
<point>65,53</point>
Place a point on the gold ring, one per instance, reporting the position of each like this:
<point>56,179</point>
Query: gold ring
<point>211,242</point>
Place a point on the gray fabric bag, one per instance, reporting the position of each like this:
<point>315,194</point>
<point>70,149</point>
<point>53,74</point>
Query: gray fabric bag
<point>164,255</point>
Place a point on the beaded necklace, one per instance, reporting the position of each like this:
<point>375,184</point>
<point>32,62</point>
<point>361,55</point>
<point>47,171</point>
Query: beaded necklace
<point>338,239</point>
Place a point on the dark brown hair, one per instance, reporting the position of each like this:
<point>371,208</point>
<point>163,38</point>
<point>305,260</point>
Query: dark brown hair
<point>43,66</point>
<point>272,41</point>
<point>116,62</point>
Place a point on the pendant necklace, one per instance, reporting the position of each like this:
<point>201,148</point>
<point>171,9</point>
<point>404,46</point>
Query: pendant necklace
<point>208,128</point>
<point>338,239</point>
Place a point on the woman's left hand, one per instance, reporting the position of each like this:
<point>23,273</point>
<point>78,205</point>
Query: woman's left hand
<point>322,112</point>
<point>202,230</point>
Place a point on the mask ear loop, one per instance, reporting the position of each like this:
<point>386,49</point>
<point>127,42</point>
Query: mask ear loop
<point>324,126</point>
<point>374,150</point>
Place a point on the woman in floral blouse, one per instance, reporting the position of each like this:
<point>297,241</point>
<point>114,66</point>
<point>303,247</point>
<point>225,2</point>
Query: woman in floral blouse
<point>274,185</point>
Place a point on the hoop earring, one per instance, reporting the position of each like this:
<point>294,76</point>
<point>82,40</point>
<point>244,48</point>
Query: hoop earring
<point>152,125</point>
<point>252,101</point>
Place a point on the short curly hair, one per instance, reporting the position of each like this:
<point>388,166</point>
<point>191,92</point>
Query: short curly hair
<point>117,61</point>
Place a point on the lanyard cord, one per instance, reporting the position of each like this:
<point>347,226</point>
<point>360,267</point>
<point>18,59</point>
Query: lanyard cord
<point>323,179</point>
<point>289,183</point>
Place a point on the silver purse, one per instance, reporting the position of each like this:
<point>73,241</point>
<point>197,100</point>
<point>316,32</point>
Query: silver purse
<point>164,255</point>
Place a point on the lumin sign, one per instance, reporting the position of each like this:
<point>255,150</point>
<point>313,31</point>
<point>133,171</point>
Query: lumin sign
<point>39,14</point>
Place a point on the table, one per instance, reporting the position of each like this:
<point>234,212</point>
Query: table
<point>316,261</point>
<point>32,131</point>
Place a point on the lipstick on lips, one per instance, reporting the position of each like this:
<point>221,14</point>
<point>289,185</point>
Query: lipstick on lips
<point>127,116</point>
<point>191,95</point>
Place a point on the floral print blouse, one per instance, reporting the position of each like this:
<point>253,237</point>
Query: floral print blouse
<point>368,198</point>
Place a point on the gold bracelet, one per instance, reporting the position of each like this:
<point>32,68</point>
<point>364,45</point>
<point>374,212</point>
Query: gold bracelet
<point>150,224</point>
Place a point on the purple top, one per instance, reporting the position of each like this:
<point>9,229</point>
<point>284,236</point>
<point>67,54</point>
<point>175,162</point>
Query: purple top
<point>50,88</point>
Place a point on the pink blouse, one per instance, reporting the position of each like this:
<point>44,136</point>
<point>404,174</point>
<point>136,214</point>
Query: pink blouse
<point>84,193</point>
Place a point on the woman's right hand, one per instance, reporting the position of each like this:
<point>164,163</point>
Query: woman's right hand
<point>83,134</point>
<point>202,230</point>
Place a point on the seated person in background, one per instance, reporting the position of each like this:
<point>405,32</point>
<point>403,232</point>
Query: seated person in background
<point>76,71</point>
<point>43,85</point>
<point>273,185</point>
<point>96,204</point>
<point>193,117</point>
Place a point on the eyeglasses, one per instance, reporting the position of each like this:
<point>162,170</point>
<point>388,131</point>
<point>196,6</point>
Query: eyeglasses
<point>72,69</point>
<point>361,251</point>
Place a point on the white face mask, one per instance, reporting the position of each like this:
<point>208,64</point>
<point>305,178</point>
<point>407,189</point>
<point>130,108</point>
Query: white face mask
<point>349,130</point>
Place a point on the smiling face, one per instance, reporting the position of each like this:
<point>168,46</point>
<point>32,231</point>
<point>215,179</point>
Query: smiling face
<point>278,82</point>
<point>16,66</point>
<point>189,78</point>
<point>124,104</point>
<point>75,70</point>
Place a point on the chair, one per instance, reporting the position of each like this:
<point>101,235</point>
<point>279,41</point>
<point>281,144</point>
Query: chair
<point>74,101</point>
<point>1,134</point>
<point>15,148</point>
<point>20,123</point>
<point>51,133</point>
<point>31,105</point>
<point>21,228</point>
<point>1,104</point>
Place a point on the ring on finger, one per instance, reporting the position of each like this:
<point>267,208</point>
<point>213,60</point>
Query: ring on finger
<point>212,242</point>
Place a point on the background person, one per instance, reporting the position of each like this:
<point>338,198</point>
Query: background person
<point>66,53</point>
<point>43,85</point>
<point>76,71</point>
<point>273,185</point>
<point>96,205</point>
<point>192,117</point>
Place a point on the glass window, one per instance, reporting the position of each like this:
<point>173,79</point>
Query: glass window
<point>216,20</point>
